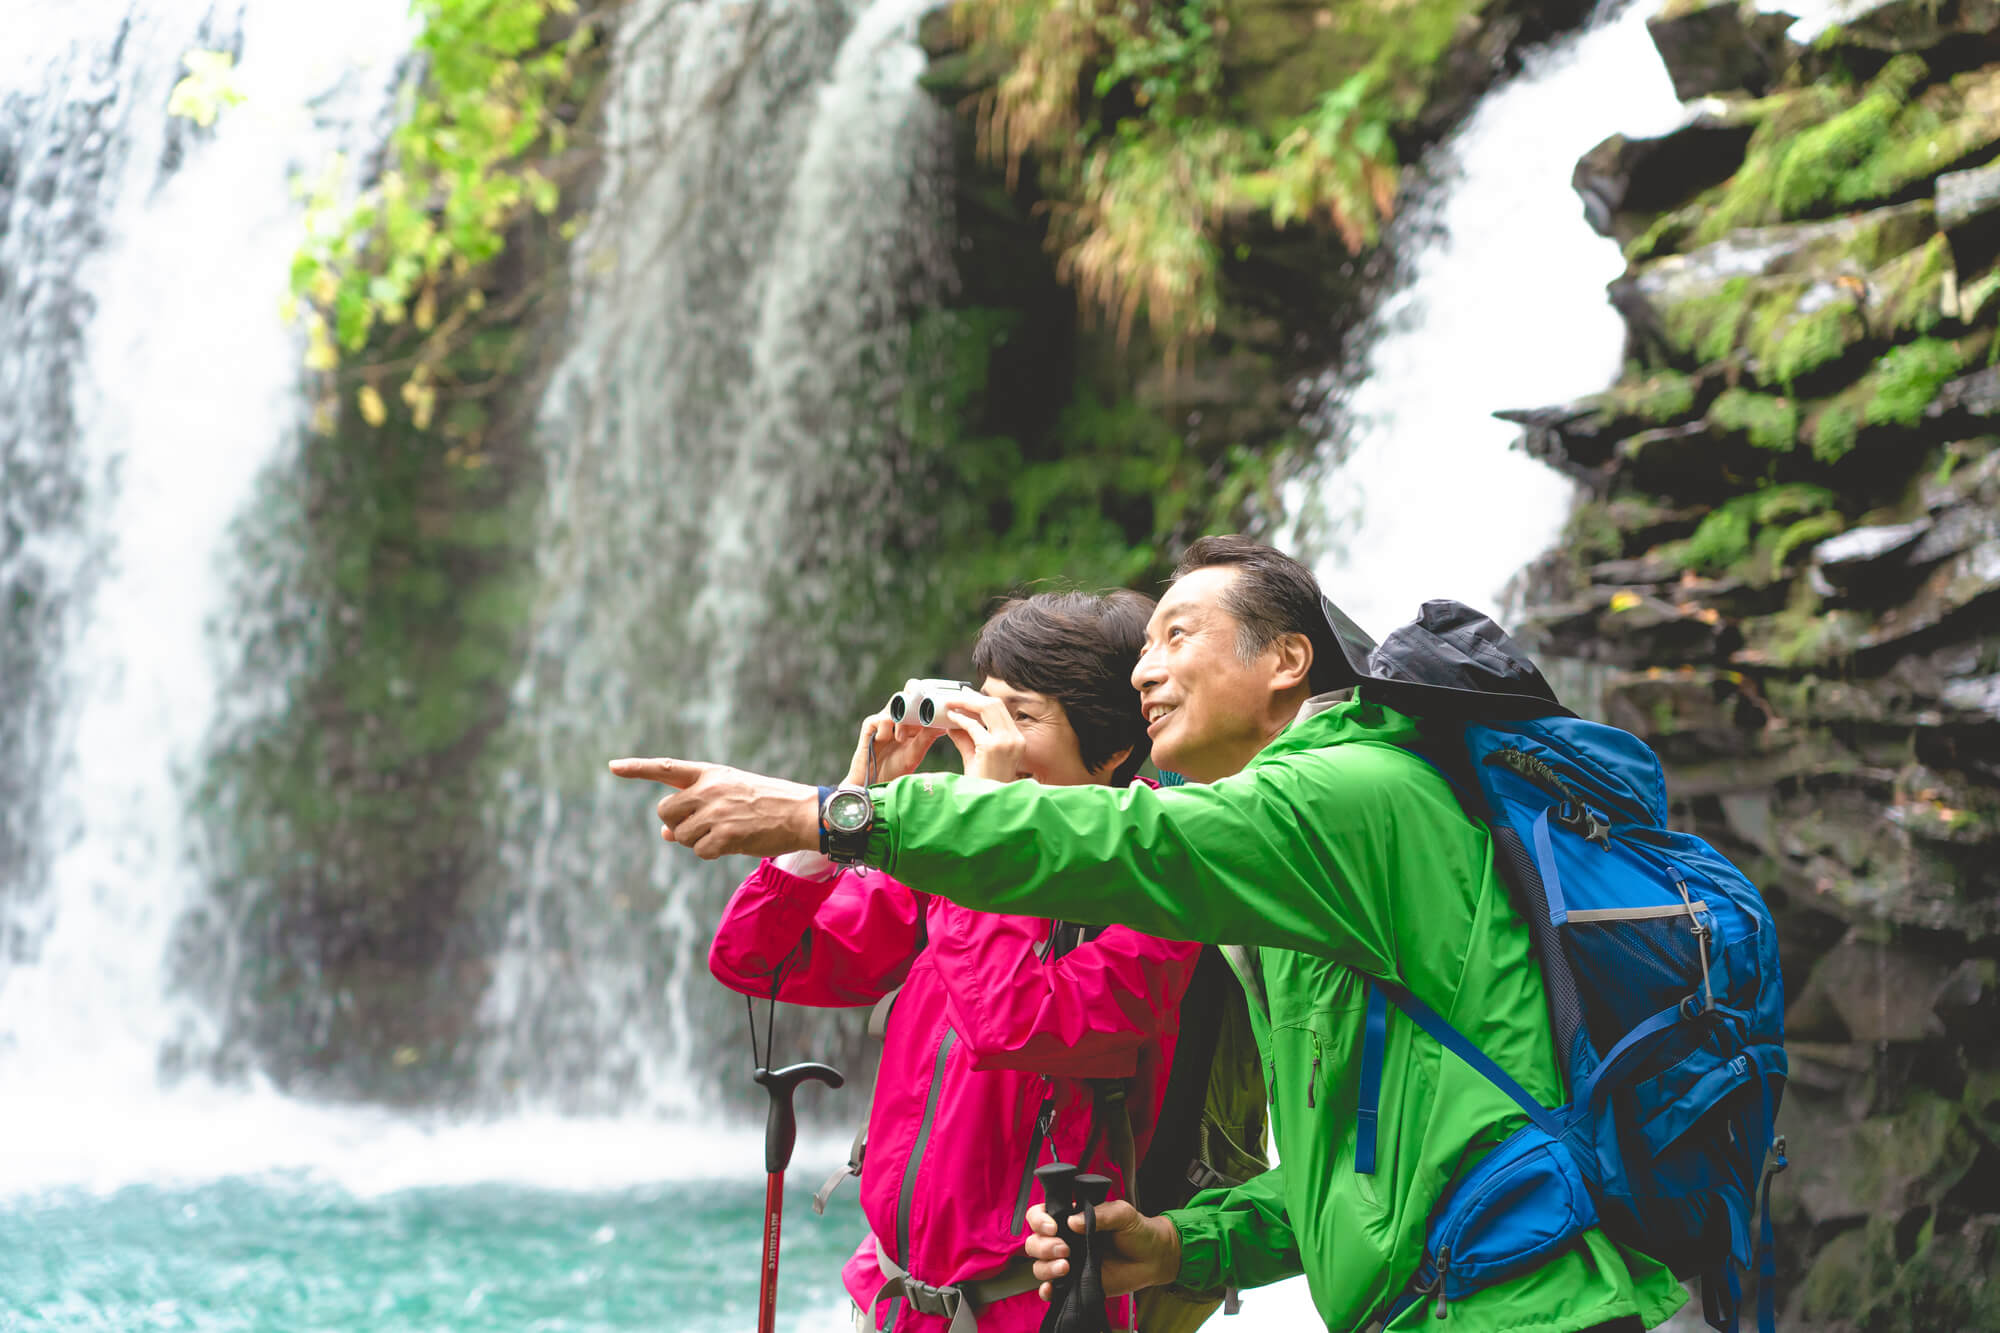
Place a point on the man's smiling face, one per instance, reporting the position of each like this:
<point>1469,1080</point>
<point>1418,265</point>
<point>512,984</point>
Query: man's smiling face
<point>1207,710</point>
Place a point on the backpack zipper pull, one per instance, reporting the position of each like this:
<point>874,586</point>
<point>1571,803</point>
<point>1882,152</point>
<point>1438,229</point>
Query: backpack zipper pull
<point>1700,930</point>
<point>1444,1267</point>
<point>1312,1081</point>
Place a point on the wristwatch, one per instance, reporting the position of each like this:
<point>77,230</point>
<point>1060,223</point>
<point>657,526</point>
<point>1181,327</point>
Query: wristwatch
<point>846,814</point>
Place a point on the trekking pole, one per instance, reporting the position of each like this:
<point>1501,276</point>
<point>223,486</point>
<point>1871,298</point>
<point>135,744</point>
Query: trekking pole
<point>781,1132</point>
<point>1058,1182</point>
<point>1076,1303</point>
<point>1091,1192</point>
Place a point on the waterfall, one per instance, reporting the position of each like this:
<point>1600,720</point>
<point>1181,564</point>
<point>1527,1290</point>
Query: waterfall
<point>145,379</point>
<point>1415,493</point>
<point>774,188</point>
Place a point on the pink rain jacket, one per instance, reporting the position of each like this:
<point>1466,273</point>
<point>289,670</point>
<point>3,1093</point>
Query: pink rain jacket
<point>983,1063</point>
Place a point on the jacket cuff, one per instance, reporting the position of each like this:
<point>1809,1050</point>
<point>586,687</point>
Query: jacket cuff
<point>796,891</point>
<point>881,852</point>
<point>1201,1251</point>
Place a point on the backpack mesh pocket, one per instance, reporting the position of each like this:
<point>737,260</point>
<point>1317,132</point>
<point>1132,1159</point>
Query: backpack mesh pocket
<point>1634,968</point>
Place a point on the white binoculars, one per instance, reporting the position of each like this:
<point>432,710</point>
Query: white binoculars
<point>923,701</point>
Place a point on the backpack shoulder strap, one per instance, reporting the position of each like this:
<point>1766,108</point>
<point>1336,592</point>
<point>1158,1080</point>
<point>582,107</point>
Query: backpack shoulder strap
<point>1380,995</point>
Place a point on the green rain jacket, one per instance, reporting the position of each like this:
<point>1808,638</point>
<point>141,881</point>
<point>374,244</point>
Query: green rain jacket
<point>1340,855</point>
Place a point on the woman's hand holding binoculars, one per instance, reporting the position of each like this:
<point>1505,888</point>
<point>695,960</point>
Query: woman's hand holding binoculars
<point>979,726</point>
<point>898,749</point>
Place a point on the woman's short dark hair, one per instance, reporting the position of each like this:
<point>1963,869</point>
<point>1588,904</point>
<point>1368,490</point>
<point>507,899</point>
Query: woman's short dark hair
<point>1079,649</point>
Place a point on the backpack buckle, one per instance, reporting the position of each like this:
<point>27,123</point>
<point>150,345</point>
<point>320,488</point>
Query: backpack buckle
<point>1578,819</point>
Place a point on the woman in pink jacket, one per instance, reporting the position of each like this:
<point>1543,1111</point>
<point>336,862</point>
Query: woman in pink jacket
<point>989,1039</point>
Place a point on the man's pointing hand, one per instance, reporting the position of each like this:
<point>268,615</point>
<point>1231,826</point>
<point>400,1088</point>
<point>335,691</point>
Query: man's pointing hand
<point>717,811</point>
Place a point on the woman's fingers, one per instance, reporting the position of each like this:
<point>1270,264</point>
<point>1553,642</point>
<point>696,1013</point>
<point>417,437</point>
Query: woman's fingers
<point>970,722</point>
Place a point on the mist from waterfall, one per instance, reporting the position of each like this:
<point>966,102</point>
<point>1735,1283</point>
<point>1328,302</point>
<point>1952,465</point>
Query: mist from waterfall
<point>1416,493</point>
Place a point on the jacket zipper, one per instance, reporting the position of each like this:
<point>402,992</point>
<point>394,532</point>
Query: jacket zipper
<point>1044,1121</point>
<point>917,1151</point>
<point>1312,1080</point>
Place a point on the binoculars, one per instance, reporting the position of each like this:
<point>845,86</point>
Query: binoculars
<point>923,701</point>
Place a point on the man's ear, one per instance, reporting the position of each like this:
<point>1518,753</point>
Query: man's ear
<point>1293,667</point>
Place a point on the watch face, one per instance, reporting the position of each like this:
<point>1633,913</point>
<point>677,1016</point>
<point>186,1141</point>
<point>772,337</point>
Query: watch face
<point>847,811</point>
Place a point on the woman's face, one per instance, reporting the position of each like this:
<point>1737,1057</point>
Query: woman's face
<point>1049,752</point>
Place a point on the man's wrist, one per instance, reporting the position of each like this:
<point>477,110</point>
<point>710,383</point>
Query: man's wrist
<point>1171,1244</point>
<point>804,825</point>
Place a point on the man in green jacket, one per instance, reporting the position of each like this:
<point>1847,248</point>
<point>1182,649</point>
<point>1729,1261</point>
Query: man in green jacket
<point>1313,835</point>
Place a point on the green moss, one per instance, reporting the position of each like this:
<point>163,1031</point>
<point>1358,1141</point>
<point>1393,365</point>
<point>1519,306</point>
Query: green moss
<point>1770,422</point>
<point>1592,533</point>
<point>1101,492</point>
<point>1671,231</point>
<point>1705,324</point>
<point>1794,344</point>
<point>1722,539</point>
<point>1656,397</point>
<point>1797,157</point>
<point>1806,532</point>
<point>1975,296</point>
<point>1789,324</point>
<point>1907,378</point>
<point>1833,429</point>
<point>1728,537</point>
<point>1911,288</point>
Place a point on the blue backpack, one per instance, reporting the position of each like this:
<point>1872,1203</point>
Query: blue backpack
<point>1661,966</point>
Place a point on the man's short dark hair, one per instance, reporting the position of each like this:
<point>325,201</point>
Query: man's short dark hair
<point>1079,649</point>
<point>1273,594</point>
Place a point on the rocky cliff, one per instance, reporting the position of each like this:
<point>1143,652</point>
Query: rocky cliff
<point>1786,577</point>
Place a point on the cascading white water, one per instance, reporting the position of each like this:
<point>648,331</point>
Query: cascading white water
<point>770,208</point>
<point>145,378</point>
<point>1417,494</point>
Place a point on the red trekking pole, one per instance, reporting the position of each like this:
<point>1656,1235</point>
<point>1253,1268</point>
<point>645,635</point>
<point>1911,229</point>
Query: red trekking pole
<point>781,1132</point>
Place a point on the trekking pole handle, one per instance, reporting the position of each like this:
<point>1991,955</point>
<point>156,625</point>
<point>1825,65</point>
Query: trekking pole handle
<point>781,1125</point>
<point>1058,1181</point>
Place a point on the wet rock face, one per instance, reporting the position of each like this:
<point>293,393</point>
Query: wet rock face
<point>1715,46</point>
<point>1787,572</point>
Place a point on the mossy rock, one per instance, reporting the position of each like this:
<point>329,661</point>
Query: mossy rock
<point>1696,711</point>
<point>1952,32</point>
<point>1579,438</point>
<point>1793,298</point>
<point>1823,150</point>
<point>1692,464</point>
<point>1802,637</point>
<point>1894,396</point>
<point>1906,1272</point>
<point>1913,293</point>
<point>1624,181</point>
<point>1719,46</point>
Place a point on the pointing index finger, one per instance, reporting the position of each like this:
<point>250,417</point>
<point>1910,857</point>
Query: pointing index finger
<point>681,773</point>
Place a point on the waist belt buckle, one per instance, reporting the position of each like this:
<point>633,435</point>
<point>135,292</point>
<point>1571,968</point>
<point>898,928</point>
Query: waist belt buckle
<point>939,1301</point>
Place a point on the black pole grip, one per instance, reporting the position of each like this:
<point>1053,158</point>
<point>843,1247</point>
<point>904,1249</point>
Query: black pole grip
<point>1094,1188</point>
<point>781,1125</point>
<point>1058,1181</point>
